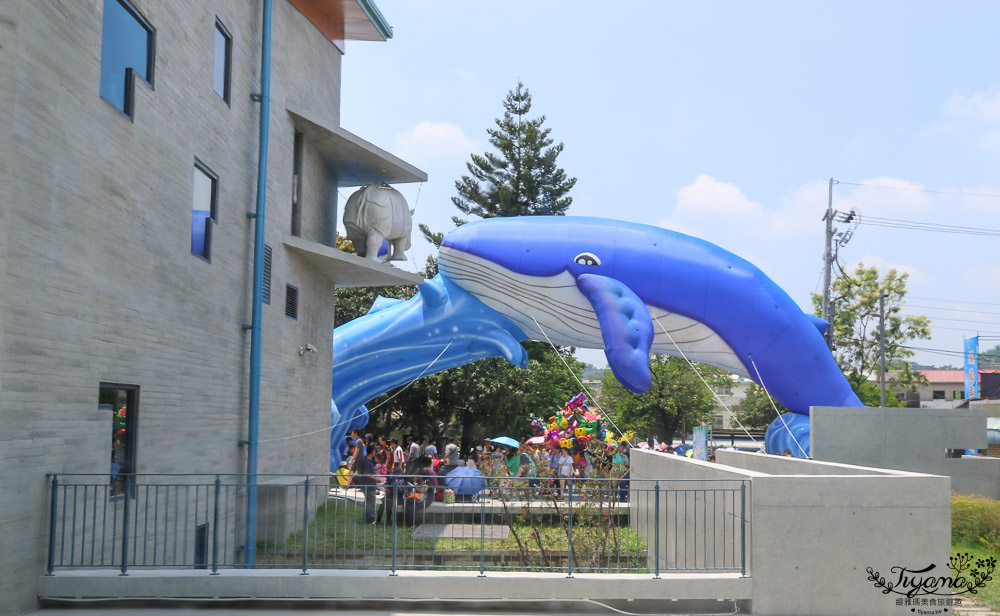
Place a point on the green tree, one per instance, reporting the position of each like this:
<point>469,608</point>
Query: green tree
<point>990,358</point>
<point>855,299</point>
<point>756,410</point>
<point>676,401</point>
<point>521,178</point>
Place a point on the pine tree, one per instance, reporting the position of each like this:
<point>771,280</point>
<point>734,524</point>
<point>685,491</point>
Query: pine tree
<point>521,178</point>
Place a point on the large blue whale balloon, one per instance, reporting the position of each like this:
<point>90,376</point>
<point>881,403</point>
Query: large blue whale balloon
<point>630,289</point>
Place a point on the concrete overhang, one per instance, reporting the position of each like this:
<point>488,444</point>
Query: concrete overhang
<point>353,160</point>
<point>345,20</point>
<point>347,270</point>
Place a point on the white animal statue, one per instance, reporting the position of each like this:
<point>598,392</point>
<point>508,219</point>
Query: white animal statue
<point>377,212</point>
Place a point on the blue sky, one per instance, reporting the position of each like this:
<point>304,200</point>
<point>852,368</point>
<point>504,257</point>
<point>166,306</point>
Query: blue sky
<point>724,120</point>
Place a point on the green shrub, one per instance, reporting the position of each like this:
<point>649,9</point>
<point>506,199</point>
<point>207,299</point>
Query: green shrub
<point>972,518</point>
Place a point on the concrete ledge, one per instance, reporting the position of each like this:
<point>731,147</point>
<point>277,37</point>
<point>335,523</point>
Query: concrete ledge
<point>347,585</point>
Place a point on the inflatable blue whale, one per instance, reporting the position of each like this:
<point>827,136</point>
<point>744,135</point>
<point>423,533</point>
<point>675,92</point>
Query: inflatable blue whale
<point>632,290</point>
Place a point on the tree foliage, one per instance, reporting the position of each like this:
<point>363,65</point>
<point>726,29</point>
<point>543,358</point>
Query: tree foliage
<point>855,300</point>
<point>756,410</point>
<point>522,178</point>
<point>677,400</point>
<point>990,358</point>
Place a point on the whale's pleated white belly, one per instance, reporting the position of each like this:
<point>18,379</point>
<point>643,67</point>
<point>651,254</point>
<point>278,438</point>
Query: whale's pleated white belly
<point>553,308</point>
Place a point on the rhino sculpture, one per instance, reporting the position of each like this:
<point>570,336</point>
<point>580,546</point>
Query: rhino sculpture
<point>377,212</point>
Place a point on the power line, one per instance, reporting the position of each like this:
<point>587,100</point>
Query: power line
<point>993,322</point>
<point>908,305</point>
<point>936,299</point>
<point>912,225</point>
<point>923,190</point>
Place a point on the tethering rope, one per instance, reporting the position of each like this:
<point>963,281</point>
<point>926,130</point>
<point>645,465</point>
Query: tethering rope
<point>340,423</point>
<point>783,422</point>
<point>714,393</point>
<point>571,371</point>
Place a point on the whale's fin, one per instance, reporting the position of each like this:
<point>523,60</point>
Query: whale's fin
<point>381,303</point>
<point>433,294</point>
<point>626,327</point>
<point>820,324</point>
<point>499,343</point>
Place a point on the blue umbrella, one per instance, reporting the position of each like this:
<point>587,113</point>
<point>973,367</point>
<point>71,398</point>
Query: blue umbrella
<point>506,441</point>
<point>464,480</point>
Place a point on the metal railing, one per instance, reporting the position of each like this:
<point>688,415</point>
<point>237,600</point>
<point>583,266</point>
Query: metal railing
<point>489,524</point>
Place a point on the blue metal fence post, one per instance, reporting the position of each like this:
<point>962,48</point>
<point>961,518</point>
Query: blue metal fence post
<point>743,528</point>
<point>128,498</point>
<point>52,526</point>
<point>569,559</point>
<point>656,530</point>
<point>215,527</point>
<point>305,526</point>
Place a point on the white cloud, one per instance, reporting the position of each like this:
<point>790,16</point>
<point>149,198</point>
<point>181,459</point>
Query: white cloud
<point>883,265</point>
<point>679,226</point>
<point>707,196</point>
<point>978,106</point>
<point>428,141</point>
<point>884,197</point>
<point>974,118</point>
<point>801,210</point>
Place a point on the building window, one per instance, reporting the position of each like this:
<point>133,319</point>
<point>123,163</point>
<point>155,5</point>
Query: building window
<point>204,209</point>
<point>724,389</point>
<point>223,61</point>
<point>266,290</point>
<point>126,53</point>
<point>291,302</point>
<point>297,184</point>
<point>958,394</point>
<point>122,401</point>
<point>938,394</point>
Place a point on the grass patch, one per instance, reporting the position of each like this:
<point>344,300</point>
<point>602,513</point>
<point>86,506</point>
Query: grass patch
<point>538,539</point>
<point>975,531</point>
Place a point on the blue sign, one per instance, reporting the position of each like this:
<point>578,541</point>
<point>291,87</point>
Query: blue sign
<point>971,369</point>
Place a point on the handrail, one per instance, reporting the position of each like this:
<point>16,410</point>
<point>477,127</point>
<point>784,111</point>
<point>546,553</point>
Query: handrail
<point>309,521</point>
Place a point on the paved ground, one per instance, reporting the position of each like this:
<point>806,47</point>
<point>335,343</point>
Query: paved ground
<point>304,609</point>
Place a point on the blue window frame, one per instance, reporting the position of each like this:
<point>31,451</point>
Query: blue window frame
<point>223,61</point>
<point>204,209</point>
<point>126,53</point>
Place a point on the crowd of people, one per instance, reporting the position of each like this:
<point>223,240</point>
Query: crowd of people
<point>374,461</point>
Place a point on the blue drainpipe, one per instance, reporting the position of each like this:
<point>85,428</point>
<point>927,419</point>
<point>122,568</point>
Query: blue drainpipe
<point>253,422</point>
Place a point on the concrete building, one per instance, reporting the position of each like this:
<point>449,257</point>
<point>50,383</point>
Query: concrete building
<point>944,389</point>
<point>730,394</point>
<point>128,191</point>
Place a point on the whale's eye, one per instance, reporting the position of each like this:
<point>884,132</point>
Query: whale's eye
<point>587,258</point>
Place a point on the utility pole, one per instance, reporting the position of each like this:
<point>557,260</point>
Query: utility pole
<point>828,265</point>
<point>830,255</point>
<point>881,342</point>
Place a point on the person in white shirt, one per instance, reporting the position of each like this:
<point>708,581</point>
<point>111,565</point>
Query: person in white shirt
<point>565,466</point>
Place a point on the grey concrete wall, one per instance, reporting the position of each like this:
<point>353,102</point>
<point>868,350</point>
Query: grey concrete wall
<point>97,282</point>
<point>700,508</point>
<point>909,439</point>
<point>495,587</point>
<point>815,527</point>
